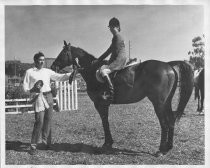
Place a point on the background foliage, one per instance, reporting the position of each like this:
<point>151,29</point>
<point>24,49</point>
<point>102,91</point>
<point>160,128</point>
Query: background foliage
<point>197,54</point>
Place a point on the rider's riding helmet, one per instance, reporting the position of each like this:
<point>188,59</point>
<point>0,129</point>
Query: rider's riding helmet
<point>114,22</point>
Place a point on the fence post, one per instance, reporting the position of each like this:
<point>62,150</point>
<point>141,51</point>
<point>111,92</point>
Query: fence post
<point>61,95</point>
<point>16,107</point>
<point>64,94</point>
<point>76,98</point>
<point>72,95</point>
<point>69,97</point>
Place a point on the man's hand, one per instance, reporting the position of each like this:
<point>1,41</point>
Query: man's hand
<point>94,62</point>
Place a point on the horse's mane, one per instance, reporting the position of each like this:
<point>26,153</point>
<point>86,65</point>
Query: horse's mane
<point>81,52</point>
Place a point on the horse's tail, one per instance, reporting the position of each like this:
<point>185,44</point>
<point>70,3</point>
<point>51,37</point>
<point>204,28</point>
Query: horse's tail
<point>185,85</point>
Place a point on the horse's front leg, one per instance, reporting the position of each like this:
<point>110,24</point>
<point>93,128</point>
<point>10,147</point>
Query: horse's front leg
<point>199,103</point>
<point>103,112</point>
<point>202,100</point>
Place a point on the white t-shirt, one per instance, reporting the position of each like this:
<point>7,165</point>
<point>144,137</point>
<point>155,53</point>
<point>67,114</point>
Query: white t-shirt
<point>44,74</point>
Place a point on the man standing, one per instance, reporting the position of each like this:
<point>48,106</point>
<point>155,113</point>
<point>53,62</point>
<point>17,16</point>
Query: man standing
<point>43,119</point>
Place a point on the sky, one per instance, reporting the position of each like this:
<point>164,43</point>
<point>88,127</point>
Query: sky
<point>161,32</point>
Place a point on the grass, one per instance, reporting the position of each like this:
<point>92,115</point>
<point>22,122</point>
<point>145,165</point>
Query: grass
<point>78,136</point>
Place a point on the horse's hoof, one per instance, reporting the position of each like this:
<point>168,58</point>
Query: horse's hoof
<point>106,147</point>
<point>170,147</point>
<point>160,154</point>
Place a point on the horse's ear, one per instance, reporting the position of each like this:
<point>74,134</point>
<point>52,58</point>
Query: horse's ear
<point>69,44</point>
<point>65,43</point>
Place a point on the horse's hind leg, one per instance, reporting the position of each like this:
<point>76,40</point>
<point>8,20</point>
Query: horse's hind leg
<point>103,112</point>
<point>160,111</point>
<point>171,122</point>
<point>202,99</point>
<point>199,102</point>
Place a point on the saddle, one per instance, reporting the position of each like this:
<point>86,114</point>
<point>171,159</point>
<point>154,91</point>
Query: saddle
<point>123,76</point>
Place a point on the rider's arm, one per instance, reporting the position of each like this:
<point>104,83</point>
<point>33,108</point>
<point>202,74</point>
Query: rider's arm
<point>105,54</point>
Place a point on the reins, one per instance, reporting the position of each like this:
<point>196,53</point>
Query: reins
<point>75,64</point>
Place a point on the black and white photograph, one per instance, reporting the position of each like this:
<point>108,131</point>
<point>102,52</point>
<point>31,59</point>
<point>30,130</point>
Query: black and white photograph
<point>109,83</point>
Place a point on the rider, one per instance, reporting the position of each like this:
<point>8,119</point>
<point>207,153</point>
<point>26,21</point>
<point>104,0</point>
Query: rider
<point>118,57</point>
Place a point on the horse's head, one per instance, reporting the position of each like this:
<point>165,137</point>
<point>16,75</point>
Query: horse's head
<point>64,58</point>
<point>72,56</point>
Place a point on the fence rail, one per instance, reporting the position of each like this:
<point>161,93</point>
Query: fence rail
<point>66,96</point>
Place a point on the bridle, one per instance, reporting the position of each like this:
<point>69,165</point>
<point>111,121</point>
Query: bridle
<point>75,64</point>
<point>75,61</point>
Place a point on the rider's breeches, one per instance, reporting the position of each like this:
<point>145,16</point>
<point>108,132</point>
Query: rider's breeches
<point>104,70</point>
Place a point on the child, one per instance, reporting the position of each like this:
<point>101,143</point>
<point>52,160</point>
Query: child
<point>117,60</point>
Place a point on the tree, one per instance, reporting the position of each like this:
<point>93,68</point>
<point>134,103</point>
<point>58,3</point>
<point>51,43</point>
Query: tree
<point>13,68</point>
<point>9,69</point>
<point>198,52</point>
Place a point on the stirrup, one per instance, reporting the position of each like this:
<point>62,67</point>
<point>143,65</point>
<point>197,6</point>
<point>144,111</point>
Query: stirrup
<point>107,96</point>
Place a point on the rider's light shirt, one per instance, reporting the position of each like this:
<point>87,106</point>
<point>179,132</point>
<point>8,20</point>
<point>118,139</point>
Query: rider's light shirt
<point>118,57</point>
<point>117,48</point>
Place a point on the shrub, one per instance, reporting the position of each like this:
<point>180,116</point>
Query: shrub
<point>15,93</point>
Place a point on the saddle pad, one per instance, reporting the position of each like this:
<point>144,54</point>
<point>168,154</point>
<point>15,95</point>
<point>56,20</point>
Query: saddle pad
<point>130,64</point>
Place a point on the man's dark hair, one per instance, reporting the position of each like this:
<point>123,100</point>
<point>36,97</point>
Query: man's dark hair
<point>37,55</point>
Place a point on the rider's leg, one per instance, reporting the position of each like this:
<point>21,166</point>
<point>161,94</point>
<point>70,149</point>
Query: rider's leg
<point>105,74</point>
<point>109,83</point>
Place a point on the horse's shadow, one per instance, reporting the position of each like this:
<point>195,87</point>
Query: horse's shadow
<point>198,114</point>
<point>75,148</point>
<point>17,146</point>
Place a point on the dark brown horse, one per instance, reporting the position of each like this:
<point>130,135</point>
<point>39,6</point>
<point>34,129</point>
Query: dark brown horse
<point>153,79</point>
<point>199,89</point>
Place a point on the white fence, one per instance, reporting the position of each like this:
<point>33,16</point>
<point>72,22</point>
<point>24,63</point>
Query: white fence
<point>66,96</point>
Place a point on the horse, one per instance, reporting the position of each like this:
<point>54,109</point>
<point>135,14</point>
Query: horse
<point>199,88</point>
<point>153,79</point>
